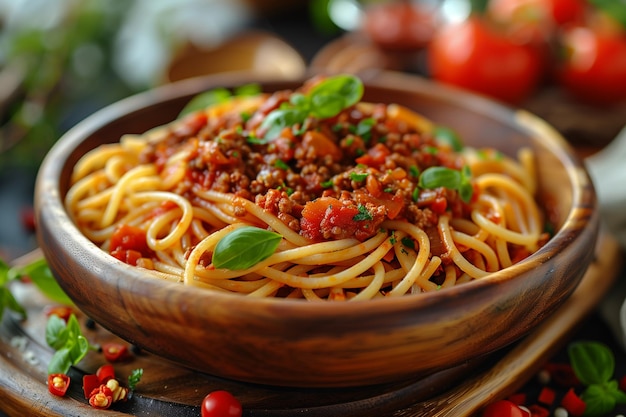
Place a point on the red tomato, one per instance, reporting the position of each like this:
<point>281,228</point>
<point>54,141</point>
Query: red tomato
<point>221,404</point>
<point>399,25</point>
<point>503,408</point>
<point>549,13</point>
<point>594,66</point>
<point>472,55</point>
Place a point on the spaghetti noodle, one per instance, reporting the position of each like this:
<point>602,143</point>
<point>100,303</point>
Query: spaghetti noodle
<point>271,196</point>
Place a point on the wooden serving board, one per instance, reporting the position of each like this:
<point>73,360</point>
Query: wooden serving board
<point>169,390</point>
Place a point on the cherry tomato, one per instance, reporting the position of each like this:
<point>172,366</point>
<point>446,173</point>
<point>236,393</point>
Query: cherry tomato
<point>399,25</point>
<point>503,408</point>
<point>594,65</point>
<point>473,55</point>
<point>538,12</point>
<point>221,404</point>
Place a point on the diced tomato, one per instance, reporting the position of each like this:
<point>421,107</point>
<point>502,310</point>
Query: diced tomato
<point>128,244</point>
<point>546,396</point>
<point>502,408</point>
<point>58,384</point>
<point>375,156</point>
<point>574,405</point>
<point>312,215</point>
<point>322,145</point>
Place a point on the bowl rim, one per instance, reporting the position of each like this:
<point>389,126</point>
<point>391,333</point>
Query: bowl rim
<point>57,158</point>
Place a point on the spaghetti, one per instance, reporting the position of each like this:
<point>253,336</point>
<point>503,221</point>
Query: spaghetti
<point>307,194</point>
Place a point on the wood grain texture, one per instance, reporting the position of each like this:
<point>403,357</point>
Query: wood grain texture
<point>301,344</point>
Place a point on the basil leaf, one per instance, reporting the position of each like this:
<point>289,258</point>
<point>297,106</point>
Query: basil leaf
<point>60,362</point>
<point>598,400</point>
<point>41,275</point>
<point>4,272</point>
<point>57,333</point>
<point>593,362</point>
<point>448,136</point>
<point>347,88</point>
<point>279,119</point>
<point>206,99</point>
<point>244,248</point>
<point>435,177</point>
<point>79,349</point>
<point>8,301</point>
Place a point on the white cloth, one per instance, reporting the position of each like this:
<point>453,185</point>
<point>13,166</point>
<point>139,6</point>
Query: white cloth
<point>607,169</point>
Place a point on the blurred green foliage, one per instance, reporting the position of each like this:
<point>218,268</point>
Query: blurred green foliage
<point>54,74</point>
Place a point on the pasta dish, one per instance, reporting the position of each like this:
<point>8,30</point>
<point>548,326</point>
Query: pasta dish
<point>308,193</point>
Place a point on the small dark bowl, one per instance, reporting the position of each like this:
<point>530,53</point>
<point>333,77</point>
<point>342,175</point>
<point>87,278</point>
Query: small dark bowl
<point>294,343</point>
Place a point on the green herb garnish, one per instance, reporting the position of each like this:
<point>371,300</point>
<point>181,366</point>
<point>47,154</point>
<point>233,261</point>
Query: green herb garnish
<point>363,214</point>
<point>435,177</point>
<point>68,342</point>
<point>594,366</point>
<point>244,248</point>
<point>217,96</point>
<point>358,177</point>
<point>323,101</point>
<point>40,274</point>
<point>134,378</point>
<point>448,136</point>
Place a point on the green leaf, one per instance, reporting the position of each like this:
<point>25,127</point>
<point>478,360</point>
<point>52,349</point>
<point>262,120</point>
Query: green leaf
<point>206,99</point>
<point>245,247</point>
<point>134,378</point>
<point>79,349</point>
<point>279,119</point>
<point>435,177</point>
<point>4,273</point>
<point>57,333</point>
<point>593,362</point>
<point>8,301</point>
<point>347,88</point>
<point>60,362</point>
<point>598,400</point>
<point>448,136</point>
<point>614,8</point>
<point>40,273</point>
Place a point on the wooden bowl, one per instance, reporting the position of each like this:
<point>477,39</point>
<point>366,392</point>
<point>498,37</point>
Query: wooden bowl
<point>295,343</point>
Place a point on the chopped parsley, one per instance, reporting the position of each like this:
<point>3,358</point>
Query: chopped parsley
<point>363,214</point>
